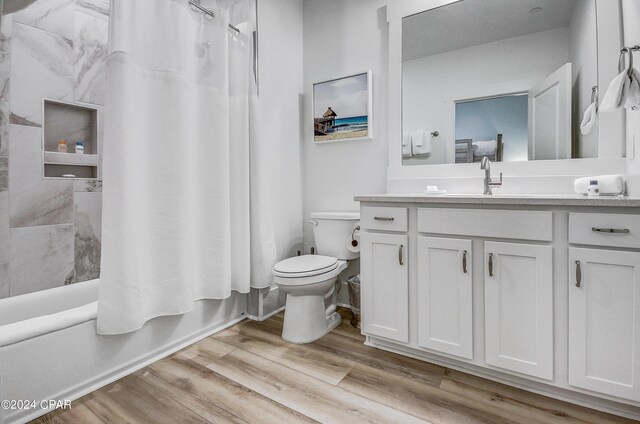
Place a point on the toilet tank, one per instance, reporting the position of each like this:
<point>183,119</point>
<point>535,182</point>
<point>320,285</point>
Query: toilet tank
<point>332,232</point>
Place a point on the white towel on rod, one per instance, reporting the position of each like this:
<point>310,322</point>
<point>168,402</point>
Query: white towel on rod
<point>623,92</point>
<point>406,145</point>
<point>589,119</point>
<point>421,143</point>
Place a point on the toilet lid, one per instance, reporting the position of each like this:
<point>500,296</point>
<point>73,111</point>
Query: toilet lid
<point>305,266</point>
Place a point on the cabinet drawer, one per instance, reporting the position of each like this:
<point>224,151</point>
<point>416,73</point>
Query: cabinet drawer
<point>383,218</point>
<point>615,230</point>
<point>507,224</point>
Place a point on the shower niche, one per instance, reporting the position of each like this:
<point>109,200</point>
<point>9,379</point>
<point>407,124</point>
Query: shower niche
<point>70,123</point>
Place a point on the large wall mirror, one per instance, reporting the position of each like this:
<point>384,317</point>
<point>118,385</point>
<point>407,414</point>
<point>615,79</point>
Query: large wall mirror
<point>506,79</point>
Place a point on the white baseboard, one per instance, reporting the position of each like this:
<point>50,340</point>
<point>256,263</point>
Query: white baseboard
<point>277,311</point>
<point>266,317</point>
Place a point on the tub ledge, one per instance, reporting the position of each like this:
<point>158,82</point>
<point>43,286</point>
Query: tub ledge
<point>23,330</point>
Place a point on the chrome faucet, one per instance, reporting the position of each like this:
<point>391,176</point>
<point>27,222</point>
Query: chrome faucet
<point>488,184</point>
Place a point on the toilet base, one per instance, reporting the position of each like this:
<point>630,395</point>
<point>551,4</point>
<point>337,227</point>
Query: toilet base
<point>305,319</point>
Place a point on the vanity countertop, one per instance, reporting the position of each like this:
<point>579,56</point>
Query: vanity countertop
<point>506,199</point>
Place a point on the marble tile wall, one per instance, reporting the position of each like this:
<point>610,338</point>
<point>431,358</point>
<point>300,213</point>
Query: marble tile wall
<point>4,227</point>
<point>41,67</point>
<point>5,72</point>
<point>90,53</point>
<point>34,200</point>
<point>41,258</point>
<point>5,66</point>
<point>50,230</point>
<point>87,219</point>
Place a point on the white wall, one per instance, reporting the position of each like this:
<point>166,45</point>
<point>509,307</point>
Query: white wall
<point>280,69</point>
<point>343,37</point>
<point>430,84</point>
<point>583,46</point>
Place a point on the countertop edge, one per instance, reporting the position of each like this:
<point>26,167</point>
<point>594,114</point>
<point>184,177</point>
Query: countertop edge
<point>618,201</point>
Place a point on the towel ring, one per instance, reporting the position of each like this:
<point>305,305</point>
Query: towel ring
<point>594,95</point>
<point>624,51</point>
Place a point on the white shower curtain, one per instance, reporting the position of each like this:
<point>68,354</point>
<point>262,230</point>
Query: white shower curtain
<point>176,218</point>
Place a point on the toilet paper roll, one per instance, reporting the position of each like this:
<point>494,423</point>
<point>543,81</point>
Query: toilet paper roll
<point>353,244</point>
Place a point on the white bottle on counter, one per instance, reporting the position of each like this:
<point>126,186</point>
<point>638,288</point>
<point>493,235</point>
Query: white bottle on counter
<point>79,148</point>
<point>594,189</point>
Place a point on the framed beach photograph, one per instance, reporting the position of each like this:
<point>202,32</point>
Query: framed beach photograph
<point>342,109</point>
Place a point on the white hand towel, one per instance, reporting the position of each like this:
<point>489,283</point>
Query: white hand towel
<point>421,143</point>
<point>417,138</point>
<point>632,95</point>
<point>622,92</point>
<point>406,145</point>
<point>607,184</point>
<point>589,120</point>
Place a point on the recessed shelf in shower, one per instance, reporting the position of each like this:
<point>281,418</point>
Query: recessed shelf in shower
<point>70,122</point>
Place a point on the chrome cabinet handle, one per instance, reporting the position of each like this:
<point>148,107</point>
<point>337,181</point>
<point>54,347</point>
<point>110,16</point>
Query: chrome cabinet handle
<point>400,255</point>
<point>578,274</point>
<point>464,261</point>
<point>384,218</point>
<point>611,230</point>
<point>490,264</point>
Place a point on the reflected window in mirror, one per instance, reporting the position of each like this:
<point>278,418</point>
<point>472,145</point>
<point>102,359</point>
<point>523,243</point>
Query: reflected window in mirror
<point>495,127</point>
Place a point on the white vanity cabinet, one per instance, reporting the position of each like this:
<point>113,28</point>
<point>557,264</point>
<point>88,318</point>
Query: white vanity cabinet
<point>517,280</point>
<point>384,272</point>
<point>604,321</point>
<point>518,308</point>
<point>445,295</point>
<point>604,304</point>
<point>495,289</point>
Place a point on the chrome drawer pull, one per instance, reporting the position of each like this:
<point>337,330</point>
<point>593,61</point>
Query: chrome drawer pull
<point>400,255</point>
<point>490,264</point>
<point>578,274</point>
<point>611,230</point>
<point>464,261</point>
<point>384,218</point>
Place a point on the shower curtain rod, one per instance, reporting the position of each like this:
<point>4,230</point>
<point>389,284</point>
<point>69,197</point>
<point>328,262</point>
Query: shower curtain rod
<point>197,5</point>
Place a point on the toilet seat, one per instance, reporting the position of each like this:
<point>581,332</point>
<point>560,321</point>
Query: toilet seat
<point>304,276</point>
<point>305,266</point>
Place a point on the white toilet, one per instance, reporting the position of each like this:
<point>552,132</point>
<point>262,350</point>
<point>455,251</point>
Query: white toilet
<point>309,280</point>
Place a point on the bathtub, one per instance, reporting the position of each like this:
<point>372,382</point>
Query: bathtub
<point>49,349</point>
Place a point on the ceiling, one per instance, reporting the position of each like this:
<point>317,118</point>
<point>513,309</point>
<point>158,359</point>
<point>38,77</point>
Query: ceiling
<point>473,22</point>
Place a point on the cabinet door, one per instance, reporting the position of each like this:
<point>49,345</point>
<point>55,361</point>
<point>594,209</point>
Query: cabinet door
<point>385,286</point>
<point>604,321</point>
<point>445,291</point>
<point>518,280</point>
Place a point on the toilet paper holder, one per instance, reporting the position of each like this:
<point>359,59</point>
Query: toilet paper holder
<point>354,242</point>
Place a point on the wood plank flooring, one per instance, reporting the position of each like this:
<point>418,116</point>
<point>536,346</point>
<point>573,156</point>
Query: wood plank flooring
<point>248,374</point>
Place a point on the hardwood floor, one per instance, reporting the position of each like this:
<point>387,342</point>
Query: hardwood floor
<point>248,374</point>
